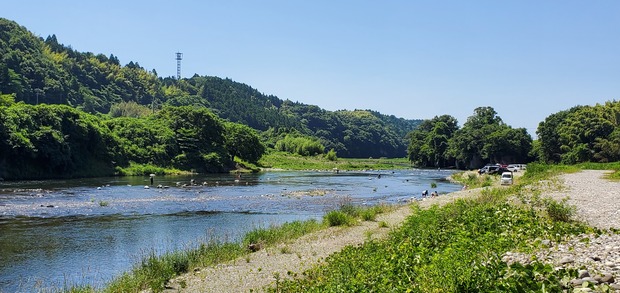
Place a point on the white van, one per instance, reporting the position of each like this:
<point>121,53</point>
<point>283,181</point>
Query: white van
<point>516,167</point>
<point>506,178</point>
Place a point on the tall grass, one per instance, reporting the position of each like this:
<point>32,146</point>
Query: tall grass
<point>146,169</point>
<point>348,214</point>
<point>154,271</point>
<point>283,160</point>
<point>279,234</point>
<point>473,180</point>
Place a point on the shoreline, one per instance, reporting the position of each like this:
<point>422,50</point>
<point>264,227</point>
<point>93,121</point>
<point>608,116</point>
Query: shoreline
<point>287,260</point>
<point>264,267</point>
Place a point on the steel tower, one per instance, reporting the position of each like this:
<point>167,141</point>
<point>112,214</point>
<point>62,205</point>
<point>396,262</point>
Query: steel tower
<point>179,58</point>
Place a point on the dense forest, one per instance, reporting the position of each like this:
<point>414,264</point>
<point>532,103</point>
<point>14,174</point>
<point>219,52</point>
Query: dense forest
<point>36,70</point>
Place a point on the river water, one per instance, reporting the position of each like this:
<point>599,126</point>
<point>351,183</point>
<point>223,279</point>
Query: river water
<point>58,233</point>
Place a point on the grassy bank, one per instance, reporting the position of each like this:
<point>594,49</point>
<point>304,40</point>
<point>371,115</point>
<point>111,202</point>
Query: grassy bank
<point>458,247</point>
<point>146,169</point>
<point>154,271</point>
<point>287,161</point>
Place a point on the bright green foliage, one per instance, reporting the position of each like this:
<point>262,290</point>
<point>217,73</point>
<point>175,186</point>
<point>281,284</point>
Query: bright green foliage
<point>581,134</point>
<point>455,248</point>
<point>331,155</point>
<point>243,142</point>
<point>51,141</point>
<point>485,138</point>
<point>429,142</point>
<point>129,109</point>
<point>55,141</point>
<point>7,100</point>
<point>199,136</point>
<point>300,144</point>
<point>144,141</point>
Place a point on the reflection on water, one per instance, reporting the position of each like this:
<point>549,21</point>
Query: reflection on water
<point>86,231</point>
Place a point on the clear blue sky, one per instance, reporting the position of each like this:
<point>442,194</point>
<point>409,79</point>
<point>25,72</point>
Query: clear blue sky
<point>412,59</point>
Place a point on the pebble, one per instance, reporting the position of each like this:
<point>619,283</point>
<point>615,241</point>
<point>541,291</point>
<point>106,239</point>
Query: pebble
<point>595,257</point>
<point>583,274</point>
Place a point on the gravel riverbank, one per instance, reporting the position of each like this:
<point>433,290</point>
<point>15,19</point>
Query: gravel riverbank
<point>597,201</point>
<point>597,257</point>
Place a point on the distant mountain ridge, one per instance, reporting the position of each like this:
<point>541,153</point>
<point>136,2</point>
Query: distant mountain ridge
<point>35,70</point>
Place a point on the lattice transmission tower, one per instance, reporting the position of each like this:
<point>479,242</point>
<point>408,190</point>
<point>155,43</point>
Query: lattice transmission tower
<point>179,58</point>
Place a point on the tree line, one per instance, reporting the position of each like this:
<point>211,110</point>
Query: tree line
<point>580,134</point>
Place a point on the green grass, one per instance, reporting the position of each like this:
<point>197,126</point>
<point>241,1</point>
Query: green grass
<point>147,169</point>
<point>279,234</point>
<point>615,167</point>
<point>456,248</point>
<point>287,161</point>
<point>472,180</point>
<point>154,271</point>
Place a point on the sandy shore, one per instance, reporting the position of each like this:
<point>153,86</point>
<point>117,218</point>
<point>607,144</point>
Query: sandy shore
<point>598,203</point>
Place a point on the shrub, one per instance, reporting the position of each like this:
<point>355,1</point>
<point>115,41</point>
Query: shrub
<point>331,155</point>
<point>338,218</point>
<point>559,211</point>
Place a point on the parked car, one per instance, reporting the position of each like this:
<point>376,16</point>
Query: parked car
<point>516,167</point>
<point>506,178</point>
<point>492,169</point>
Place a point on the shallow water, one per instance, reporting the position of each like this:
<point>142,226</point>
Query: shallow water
<point>65,232</point>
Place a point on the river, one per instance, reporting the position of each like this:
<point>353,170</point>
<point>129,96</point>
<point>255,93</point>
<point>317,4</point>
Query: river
<point>59,233</point>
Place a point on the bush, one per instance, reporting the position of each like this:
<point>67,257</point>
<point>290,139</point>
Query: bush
<point>559,211</point>
<point>301,145</point>
<point>338,218</point>
<point>331,155</point>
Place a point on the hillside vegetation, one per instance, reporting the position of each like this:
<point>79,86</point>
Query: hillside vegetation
<point>136,117</point>
<point>34,70</point>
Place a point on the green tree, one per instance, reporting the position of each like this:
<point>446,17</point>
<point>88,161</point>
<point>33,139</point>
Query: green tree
<point>581,134</point>
<point>430,141</point>
<point>485,138</point>
<point>243,142</point>
<point>200,138</point>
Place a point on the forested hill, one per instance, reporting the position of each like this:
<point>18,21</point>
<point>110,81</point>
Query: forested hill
<point>36,70</point>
